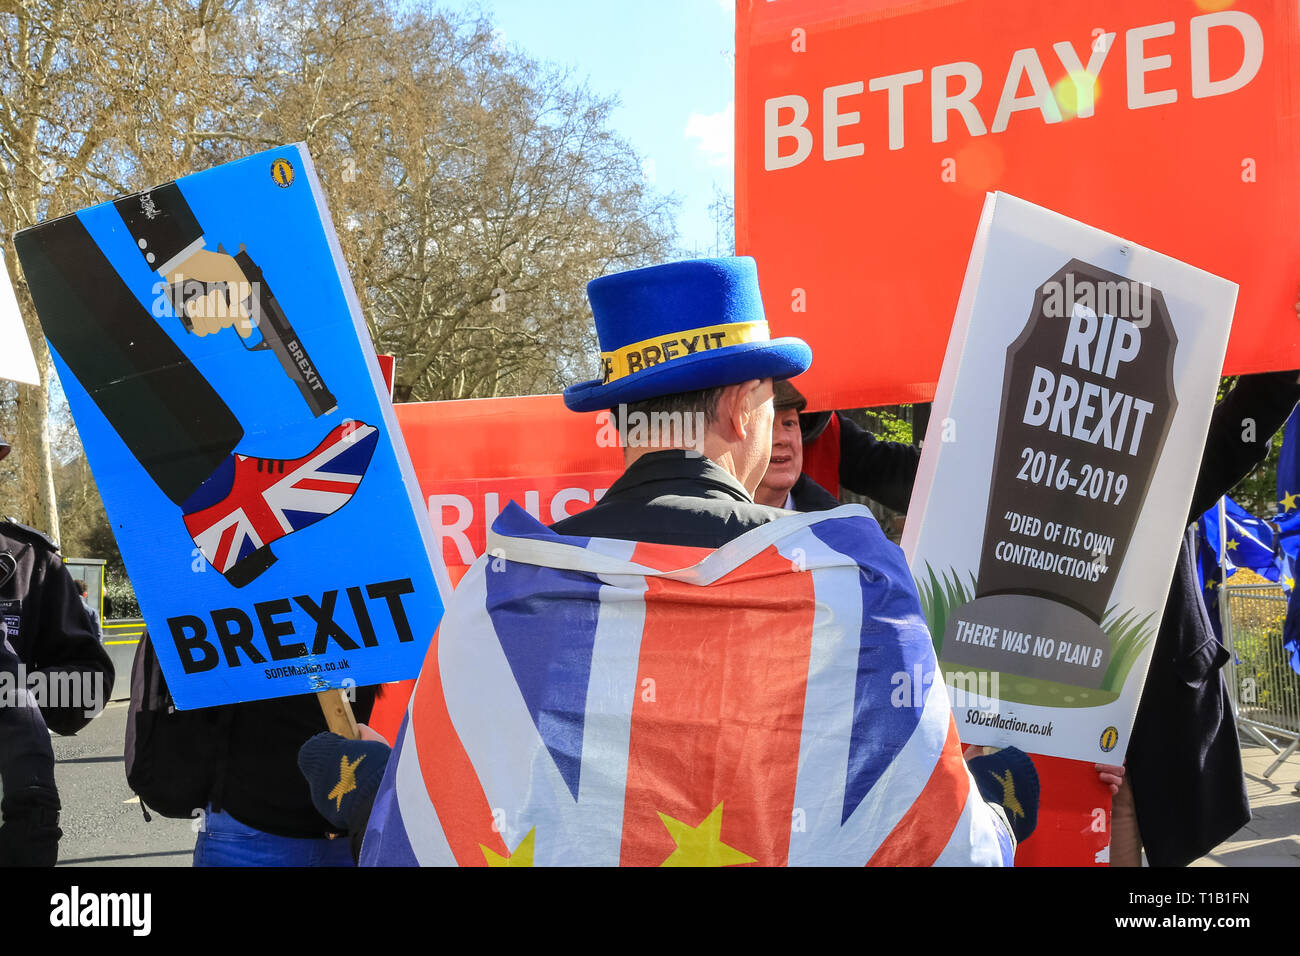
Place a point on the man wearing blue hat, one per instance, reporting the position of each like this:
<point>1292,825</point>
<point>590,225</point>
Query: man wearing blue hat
<point>684,345</point>
<point>681,343</point>
<point>700,492</point>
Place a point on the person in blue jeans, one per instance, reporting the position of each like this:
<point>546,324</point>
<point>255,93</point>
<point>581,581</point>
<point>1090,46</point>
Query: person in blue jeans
<point>224,841</point>
<point>260,810</point>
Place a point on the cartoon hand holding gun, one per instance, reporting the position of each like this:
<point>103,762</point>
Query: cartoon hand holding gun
<point>212,291</point>
<point>222,300</point>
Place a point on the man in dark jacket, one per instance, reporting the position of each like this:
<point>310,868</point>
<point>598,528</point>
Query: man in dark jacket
<point>65,666</point>
<point>838,452</point>
<point>29,800</point>
<point>49,629</point>
<point>705,496</point>
<point>1185,779</point>
<point>710,386</point>
<point>1184,788</point>
<point>53,673</point>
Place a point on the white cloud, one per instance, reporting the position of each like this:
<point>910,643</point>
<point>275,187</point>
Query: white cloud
<point>716,133</point>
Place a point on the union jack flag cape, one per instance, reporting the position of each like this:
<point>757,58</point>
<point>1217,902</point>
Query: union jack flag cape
<point>597,702</point>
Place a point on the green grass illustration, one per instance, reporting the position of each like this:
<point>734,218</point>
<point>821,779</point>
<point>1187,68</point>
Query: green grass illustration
<point>1129,637</point>
<point>939,597</point>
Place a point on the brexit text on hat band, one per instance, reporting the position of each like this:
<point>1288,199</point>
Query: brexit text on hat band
<point>651,352</point>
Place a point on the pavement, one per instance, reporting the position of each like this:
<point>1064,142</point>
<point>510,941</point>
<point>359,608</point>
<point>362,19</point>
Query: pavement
<point>1272,838</point>
<point>101,818</point>
<point>103,825</point>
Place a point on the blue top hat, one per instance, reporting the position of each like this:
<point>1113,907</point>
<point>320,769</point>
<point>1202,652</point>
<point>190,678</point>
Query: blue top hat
<point>680,327</point>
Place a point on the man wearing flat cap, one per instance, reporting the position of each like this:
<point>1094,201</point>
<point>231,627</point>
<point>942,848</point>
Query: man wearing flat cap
<point>785,485</point>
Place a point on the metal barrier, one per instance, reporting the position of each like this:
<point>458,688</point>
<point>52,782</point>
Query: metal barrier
<point>1265,691</point>
<point>120,640</point>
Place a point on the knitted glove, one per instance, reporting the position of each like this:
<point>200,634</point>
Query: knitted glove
<point>343,776</point>
<point>1008,778</point>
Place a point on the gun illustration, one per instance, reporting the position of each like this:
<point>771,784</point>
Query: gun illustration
<point>278,336</point>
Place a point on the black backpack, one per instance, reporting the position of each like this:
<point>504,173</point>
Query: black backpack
<point>175,759</point>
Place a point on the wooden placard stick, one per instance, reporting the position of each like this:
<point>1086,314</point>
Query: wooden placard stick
<point>338,713</point>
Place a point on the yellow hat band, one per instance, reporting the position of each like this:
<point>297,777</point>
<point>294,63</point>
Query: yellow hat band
<point>649,352</point>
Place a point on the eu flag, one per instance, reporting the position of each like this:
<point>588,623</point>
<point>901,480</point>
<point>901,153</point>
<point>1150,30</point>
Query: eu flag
<point>1288,500</point>
<point>1288,522</point>
<point>1250,541</point>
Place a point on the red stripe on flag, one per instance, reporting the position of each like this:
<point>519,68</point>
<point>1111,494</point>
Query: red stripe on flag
<point>335,485</point>
<point>449,775</point>
<point>225,544</point>
<point>668,557</point>
<point>926,828</point>
<point>729,665</point>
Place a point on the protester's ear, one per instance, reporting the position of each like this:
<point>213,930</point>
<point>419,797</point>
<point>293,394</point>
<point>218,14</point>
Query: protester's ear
<point>737,406</point>
<point>729,413</point>
<point>758,405</point>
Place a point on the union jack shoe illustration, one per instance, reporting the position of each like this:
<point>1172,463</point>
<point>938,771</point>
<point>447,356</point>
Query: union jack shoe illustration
<point>248,502</point>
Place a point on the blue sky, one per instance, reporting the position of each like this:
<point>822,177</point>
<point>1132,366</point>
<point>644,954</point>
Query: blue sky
<point>668,61</point>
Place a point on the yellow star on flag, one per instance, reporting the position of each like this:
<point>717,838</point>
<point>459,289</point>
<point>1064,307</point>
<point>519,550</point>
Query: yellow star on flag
<point>701,845</point>
<point>1288,501</point>
<point>1232,544</point>
<point>1211,584</point>
<point>1290,583</point>
<point>522,855</point>
<point>1009,800</point>
<point>347,781</point>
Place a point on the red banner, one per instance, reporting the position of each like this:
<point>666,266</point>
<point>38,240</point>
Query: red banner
<point>868,132</point>
<point>473,457</point>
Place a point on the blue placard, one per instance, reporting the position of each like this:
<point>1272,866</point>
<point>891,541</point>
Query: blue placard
<point>260,490</point>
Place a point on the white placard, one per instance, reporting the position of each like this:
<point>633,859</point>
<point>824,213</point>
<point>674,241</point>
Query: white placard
<point>16,360</point>
<point>1058,470</point>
